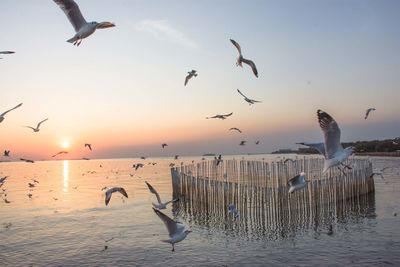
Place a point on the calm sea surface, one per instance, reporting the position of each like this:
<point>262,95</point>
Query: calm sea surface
<point>66,223</point>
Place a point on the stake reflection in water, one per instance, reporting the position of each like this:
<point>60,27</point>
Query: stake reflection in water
<point>260,193</point>
<point>66,175</point>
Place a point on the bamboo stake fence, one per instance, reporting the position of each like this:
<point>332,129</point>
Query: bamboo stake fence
<point>259,190</point>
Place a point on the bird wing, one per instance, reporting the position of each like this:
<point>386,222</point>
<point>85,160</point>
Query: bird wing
<point>252,65</point>
<point>331,132</point>
<point>171,201</point>
<point>294,180</point>
<point>41,123</point>
<point>227,115</point>
<point>237,46</point>
<point>241,93</point>
<point>187,78</point>
<point>5,112</point>
<point>152,190</point>
<point>171,225</point>
<point>7,52</point>
<point>123,192</point>
<point>108,195</point>
<point>320,147</point>
<point>30,127</point>
<point>74,15</point>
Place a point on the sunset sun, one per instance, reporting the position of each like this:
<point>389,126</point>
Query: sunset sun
<point>65,144</point>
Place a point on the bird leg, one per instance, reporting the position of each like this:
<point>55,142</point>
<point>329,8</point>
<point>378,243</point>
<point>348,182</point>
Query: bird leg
<point>79,42</point>
<point>173,248</point>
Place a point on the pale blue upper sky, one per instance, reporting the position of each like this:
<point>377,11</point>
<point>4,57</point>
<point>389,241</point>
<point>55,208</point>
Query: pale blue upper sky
<point>126,83</point>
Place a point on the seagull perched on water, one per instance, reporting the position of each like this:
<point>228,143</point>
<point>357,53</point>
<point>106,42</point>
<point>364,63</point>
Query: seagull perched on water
<point>222,117</point>
<point>82,28</point>
<point>137,166</point>
<point>297,182</point>
<point>335,154</point>
<point>6,153</point>
<point>89,146</point>
<point>236,129</point>
<point>110,191</point>
<point>241,59</point>
<point>176,230</point>
<point>248,100</point>
<point>160,204</point>
<point>5,112</point>
<point>190,75</point>
<point>368,111</point>
<point>61,152</point>
<point>232,210</point>
<point>164,145</point>
<point>37,127</point>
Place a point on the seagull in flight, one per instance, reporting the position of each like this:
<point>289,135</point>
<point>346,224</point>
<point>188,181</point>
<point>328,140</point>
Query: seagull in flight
<point>335,154</point>
<point>190,75</point>
<point>177,231</point>
<point>6,153</point>
<point>218,160</point>
<point>27,160</point>
<point>248,100</point>
<point>257,142</point>
<point>61,152</point>
<point>88,146</point>
<point>37,129</point>
<point>110,191</point>
<point>236,129</point>
<point>242,143</point>
<point>241,59</point>
<point>222,117</point>
<point>160,204</point>
<point>3,180</point>
<point>82,28</point>
<point>232,210</point>
<point>368,111</point>
<point>164,145</point>
<point>297,182</point>
<point>5,112</point>
<point>6,52</point>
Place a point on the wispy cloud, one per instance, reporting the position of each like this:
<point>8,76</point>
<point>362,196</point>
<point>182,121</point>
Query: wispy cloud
<point>163,30</point>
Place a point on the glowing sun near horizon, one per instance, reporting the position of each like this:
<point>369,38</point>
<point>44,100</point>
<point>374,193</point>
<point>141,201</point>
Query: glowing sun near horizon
<point>65,144</point>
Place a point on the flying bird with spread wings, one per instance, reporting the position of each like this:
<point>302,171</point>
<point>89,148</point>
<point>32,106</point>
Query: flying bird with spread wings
<point>190,75</point>
<point>241,59</point>
<point>37,129</point>
<point>248,100</point>
<point>236,129</point>
<point>218,116</point>
<point>367,112</point>
<point>82,28</point>
<point>161,205</point>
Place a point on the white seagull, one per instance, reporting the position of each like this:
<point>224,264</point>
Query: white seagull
<point>248,100</point>
<point>218,116</point>
<point>232,210</point>
<point>5,112</point>
<point>160,204</point>
<point>297,182</point>
<point>176,230</point>
<point>37,129</point>
<point>241,59</point>
<point>334,154</point>
<point>368,111</point>
<point>82,28</point>
<point>110,191</point>
<point>190,75</point>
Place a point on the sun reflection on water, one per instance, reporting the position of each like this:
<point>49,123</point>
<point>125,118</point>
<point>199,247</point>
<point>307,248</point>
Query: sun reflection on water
<point>66,175</point>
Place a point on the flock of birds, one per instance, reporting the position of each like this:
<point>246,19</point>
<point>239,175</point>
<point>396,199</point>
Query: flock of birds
<point>331,149</point>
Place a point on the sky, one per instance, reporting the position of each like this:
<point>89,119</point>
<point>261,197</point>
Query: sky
<point>122,89</point>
